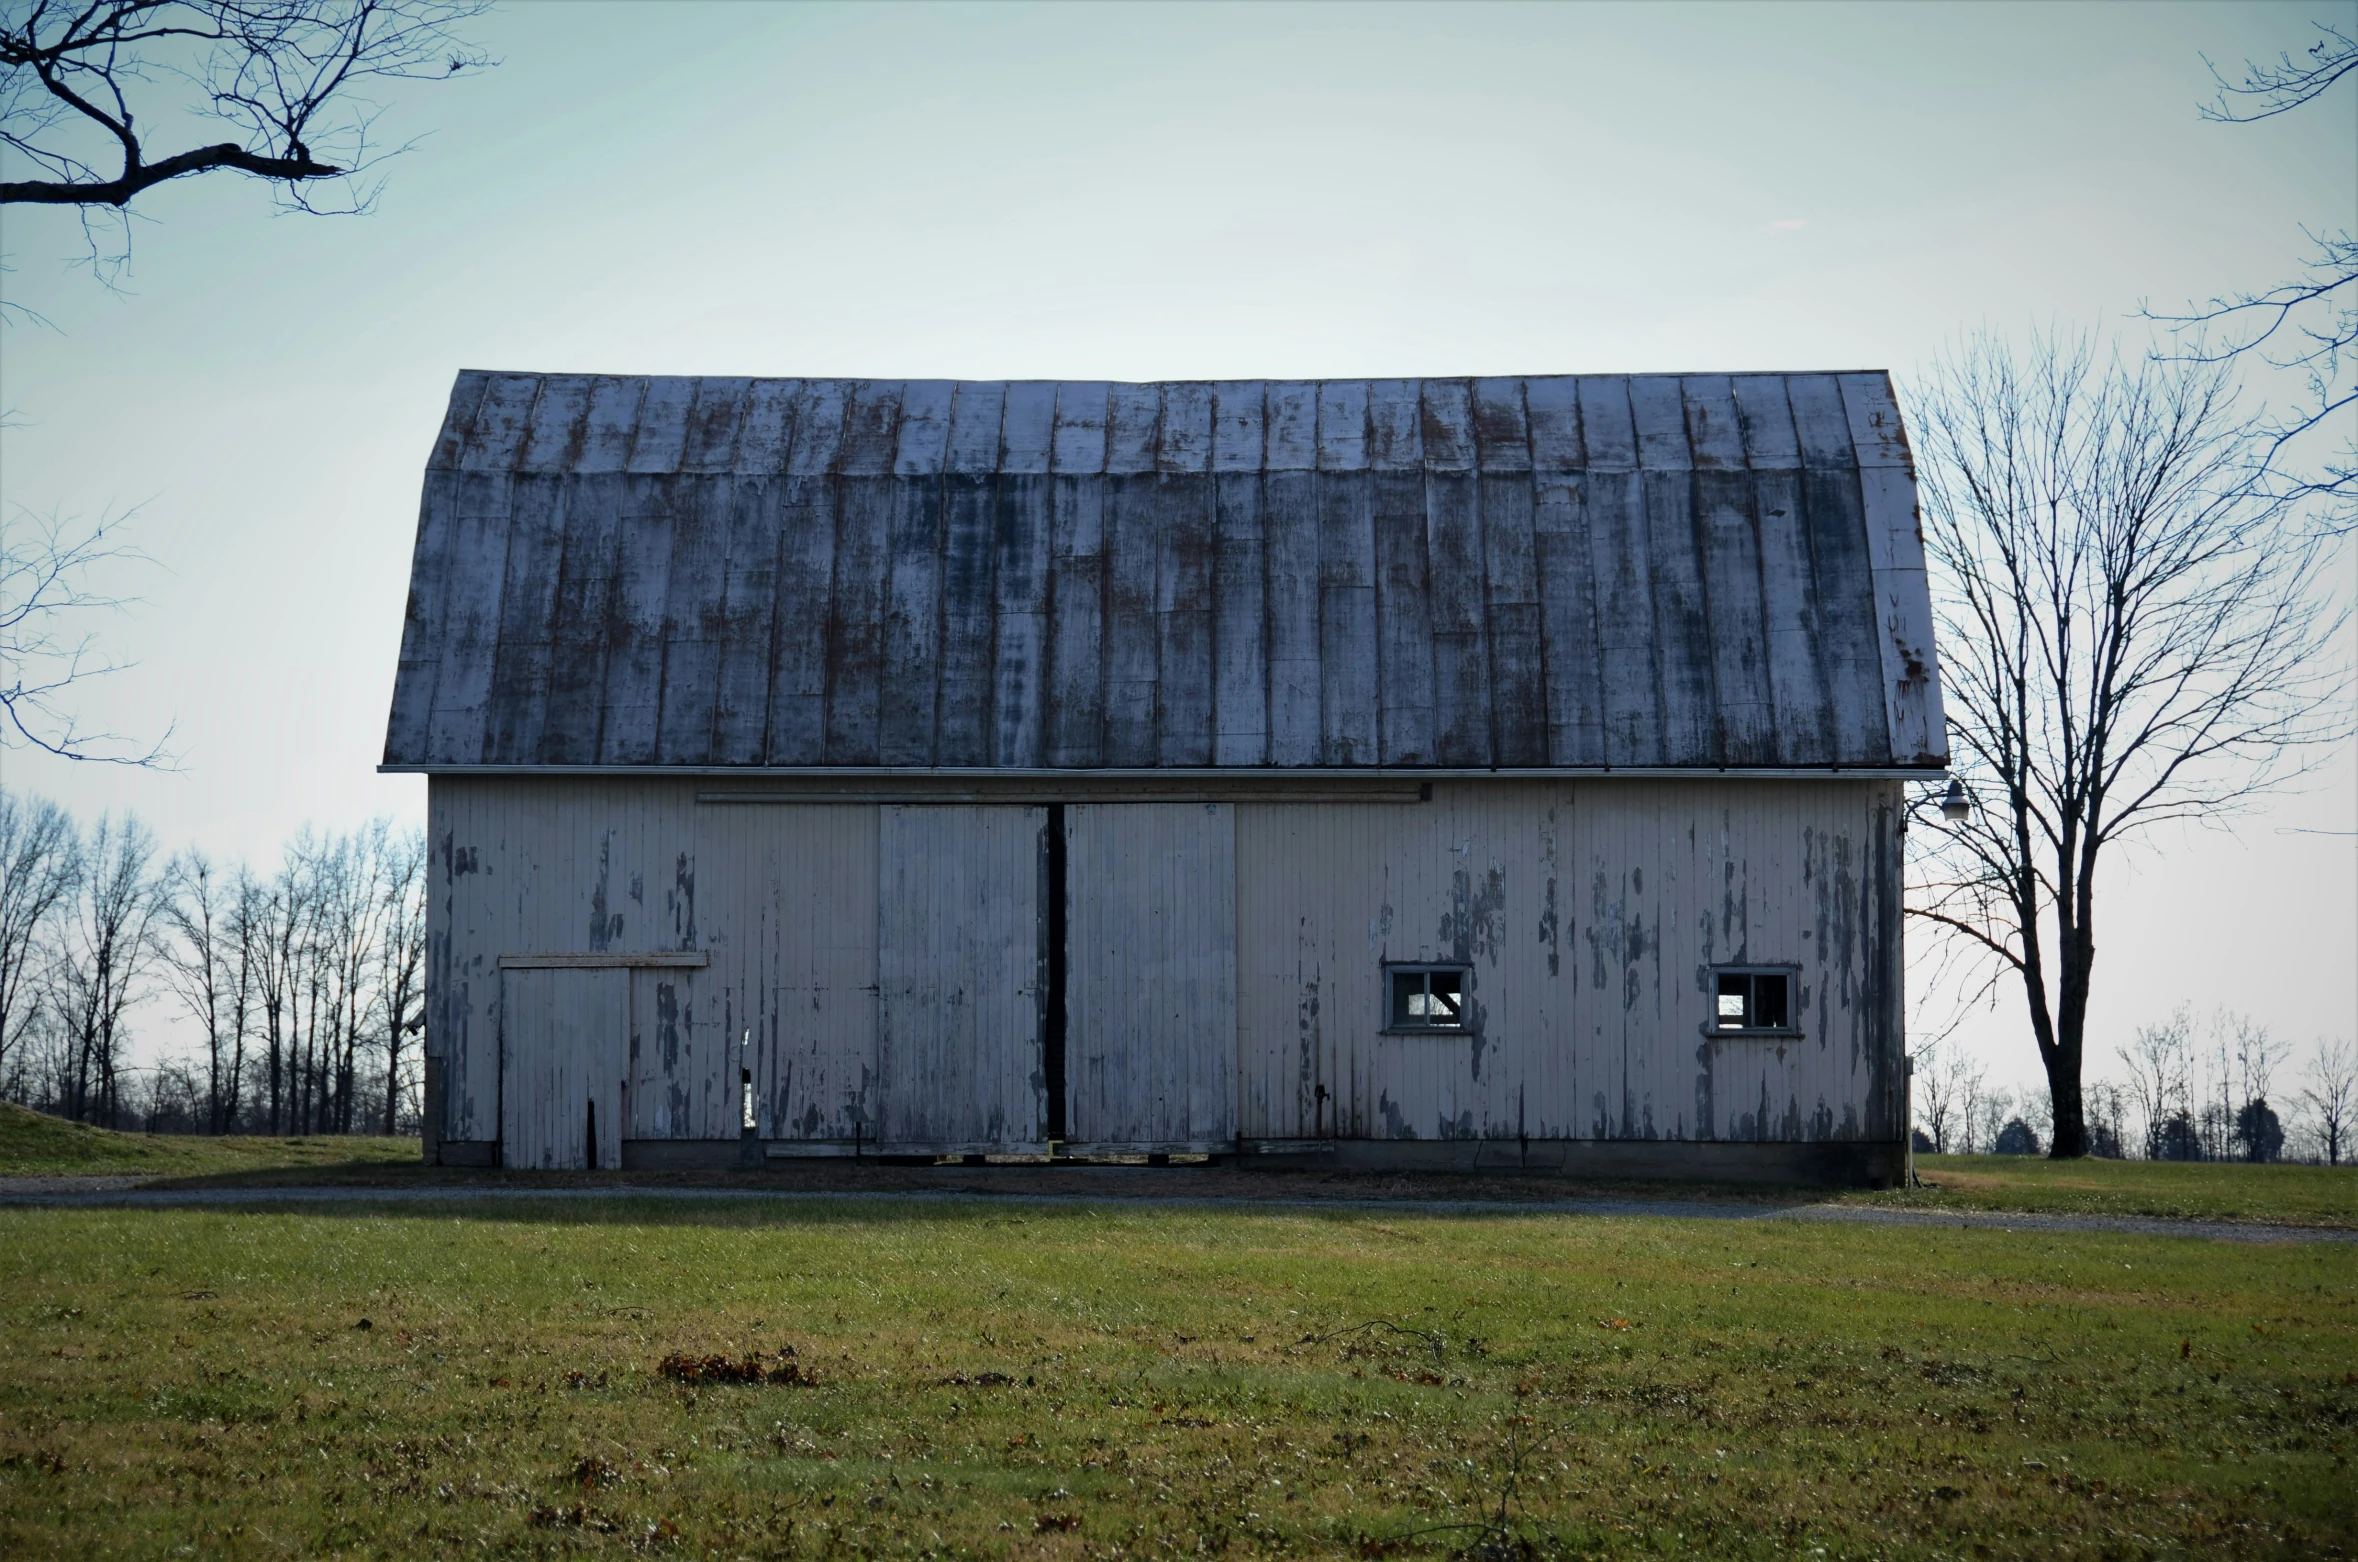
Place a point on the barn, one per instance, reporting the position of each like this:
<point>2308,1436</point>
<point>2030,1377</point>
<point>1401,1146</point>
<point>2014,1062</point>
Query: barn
<point>1449,773</point>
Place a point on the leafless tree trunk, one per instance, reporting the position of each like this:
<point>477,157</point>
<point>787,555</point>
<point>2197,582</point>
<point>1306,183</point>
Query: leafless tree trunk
<point>401,958</point>
<point>40,868</point>
<point>248,923</point>
<point>2332,1094</point>
<point>351,895</point>
<point>278,944</point>
<point>2159,1075</point>
<point>2129,636</point>
<point>198,966</point>
<point>109,944</point>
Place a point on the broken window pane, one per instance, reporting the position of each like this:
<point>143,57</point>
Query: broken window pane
<point>1428,998</point>
<point>1768,1000</point>
<point>1444,1000</point>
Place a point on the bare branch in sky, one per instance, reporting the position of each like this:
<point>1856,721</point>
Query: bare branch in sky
<point>50,571</point>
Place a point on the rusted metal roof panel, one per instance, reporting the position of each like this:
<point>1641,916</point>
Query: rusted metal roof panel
<point>1562,572</point>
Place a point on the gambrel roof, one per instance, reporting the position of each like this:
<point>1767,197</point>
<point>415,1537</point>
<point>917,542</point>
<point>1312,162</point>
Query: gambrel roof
<point>1578,572</point>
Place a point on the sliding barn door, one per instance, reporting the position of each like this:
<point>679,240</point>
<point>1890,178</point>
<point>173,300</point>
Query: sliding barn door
<point>1150,988</point>
<point>960,1059</point>
<point>565,1044</point>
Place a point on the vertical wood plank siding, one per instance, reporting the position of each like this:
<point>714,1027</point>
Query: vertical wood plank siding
<point>958,1036</point>
<point>1698,571</point>
<point>877,967</point>
<point>1150,1000</point>
<point>1591,915</point>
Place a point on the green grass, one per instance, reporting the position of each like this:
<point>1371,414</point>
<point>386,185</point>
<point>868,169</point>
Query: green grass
<point>2284,1195</point>
<point>1175,1382</point>
<point>34,1145</point>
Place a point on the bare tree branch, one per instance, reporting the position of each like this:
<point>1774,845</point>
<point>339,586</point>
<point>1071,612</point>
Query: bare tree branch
<point>2283,84</point>
<point>2308,325</point>
<point>49,572</point>
<point>284,75</point>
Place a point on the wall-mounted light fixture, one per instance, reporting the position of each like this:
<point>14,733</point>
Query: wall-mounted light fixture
<point>1955,805</point>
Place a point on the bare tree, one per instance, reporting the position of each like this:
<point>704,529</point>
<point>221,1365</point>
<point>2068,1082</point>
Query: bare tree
<point>103,965</point>
<point>40,866</point>
<point>2129,638</point>
<point>1990,1113</point>
<point>2105,1109</point>
<point>2159,1075</point>
<point>84,87</point>
<point>2308,325</point>
<point>276,933</point>
<point>202,968</point>
<point>2246,1059</point>
<point>49,593</point>
<point>353,906</point>
<point>1936,1106</point>
<point>401,958</point>
<point>1949,1087</point>
<point>2331,1094</point>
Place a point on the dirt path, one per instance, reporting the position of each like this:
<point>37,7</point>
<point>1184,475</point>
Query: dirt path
<point>1124,1185</point>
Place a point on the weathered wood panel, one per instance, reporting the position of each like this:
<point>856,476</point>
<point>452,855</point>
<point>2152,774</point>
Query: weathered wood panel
<point>1592,917</point>
<point>1151,984</point>
<point>695,619</point>
<point>518,700</point>
<point>792,918</point>
<point>1729,542</point>
<point>959,1064</point>
<point>748,623</point>
<point>806,636</point>
<point>1592,914</point>
<point>1186,529</point>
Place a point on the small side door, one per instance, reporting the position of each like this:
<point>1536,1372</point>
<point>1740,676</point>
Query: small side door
<point>565,1042</point>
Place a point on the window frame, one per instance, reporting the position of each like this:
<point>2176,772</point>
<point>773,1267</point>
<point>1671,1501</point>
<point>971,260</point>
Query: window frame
<point>1790,1029</point>
<point>1464,971</point>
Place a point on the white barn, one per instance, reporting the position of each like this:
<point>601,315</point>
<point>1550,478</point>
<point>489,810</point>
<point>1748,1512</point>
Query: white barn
<point>1452,773</point>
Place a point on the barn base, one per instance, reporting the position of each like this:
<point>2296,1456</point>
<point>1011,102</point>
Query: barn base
<point>1829,1164</point>
<point>681,1154</point>
<point>1826,1164</point>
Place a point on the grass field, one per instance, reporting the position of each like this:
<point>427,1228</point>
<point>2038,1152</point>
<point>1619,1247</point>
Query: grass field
<point>32,1145</point>
<point>2284,1195</point>
<point>1069,1381</point>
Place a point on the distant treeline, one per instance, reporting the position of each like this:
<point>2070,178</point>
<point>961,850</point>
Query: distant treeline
<point>2181,1096</point>
<point>301,984</point>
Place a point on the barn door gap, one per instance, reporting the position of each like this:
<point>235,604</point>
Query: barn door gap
<point>1054,909</point>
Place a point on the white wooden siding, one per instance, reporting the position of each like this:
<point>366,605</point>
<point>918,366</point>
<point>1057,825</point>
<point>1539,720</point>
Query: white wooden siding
<point>959,1063</point>
<point>1591,915</point>
<point>1591,912</point>
<point>1150,994</point>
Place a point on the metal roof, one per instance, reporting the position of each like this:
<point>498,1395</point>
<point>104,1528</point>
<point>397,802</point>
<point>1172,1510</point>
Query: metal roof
<point>1573,572</point>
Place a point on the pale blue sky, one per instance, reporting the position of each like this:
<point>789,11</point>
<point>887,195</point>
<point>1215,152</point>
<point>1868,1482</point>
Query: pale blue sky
<point>1140,192</point>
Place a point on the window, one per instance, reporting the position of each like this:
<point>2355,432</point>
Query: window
<point>1426,997</point>
<point>1755,1000</point>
